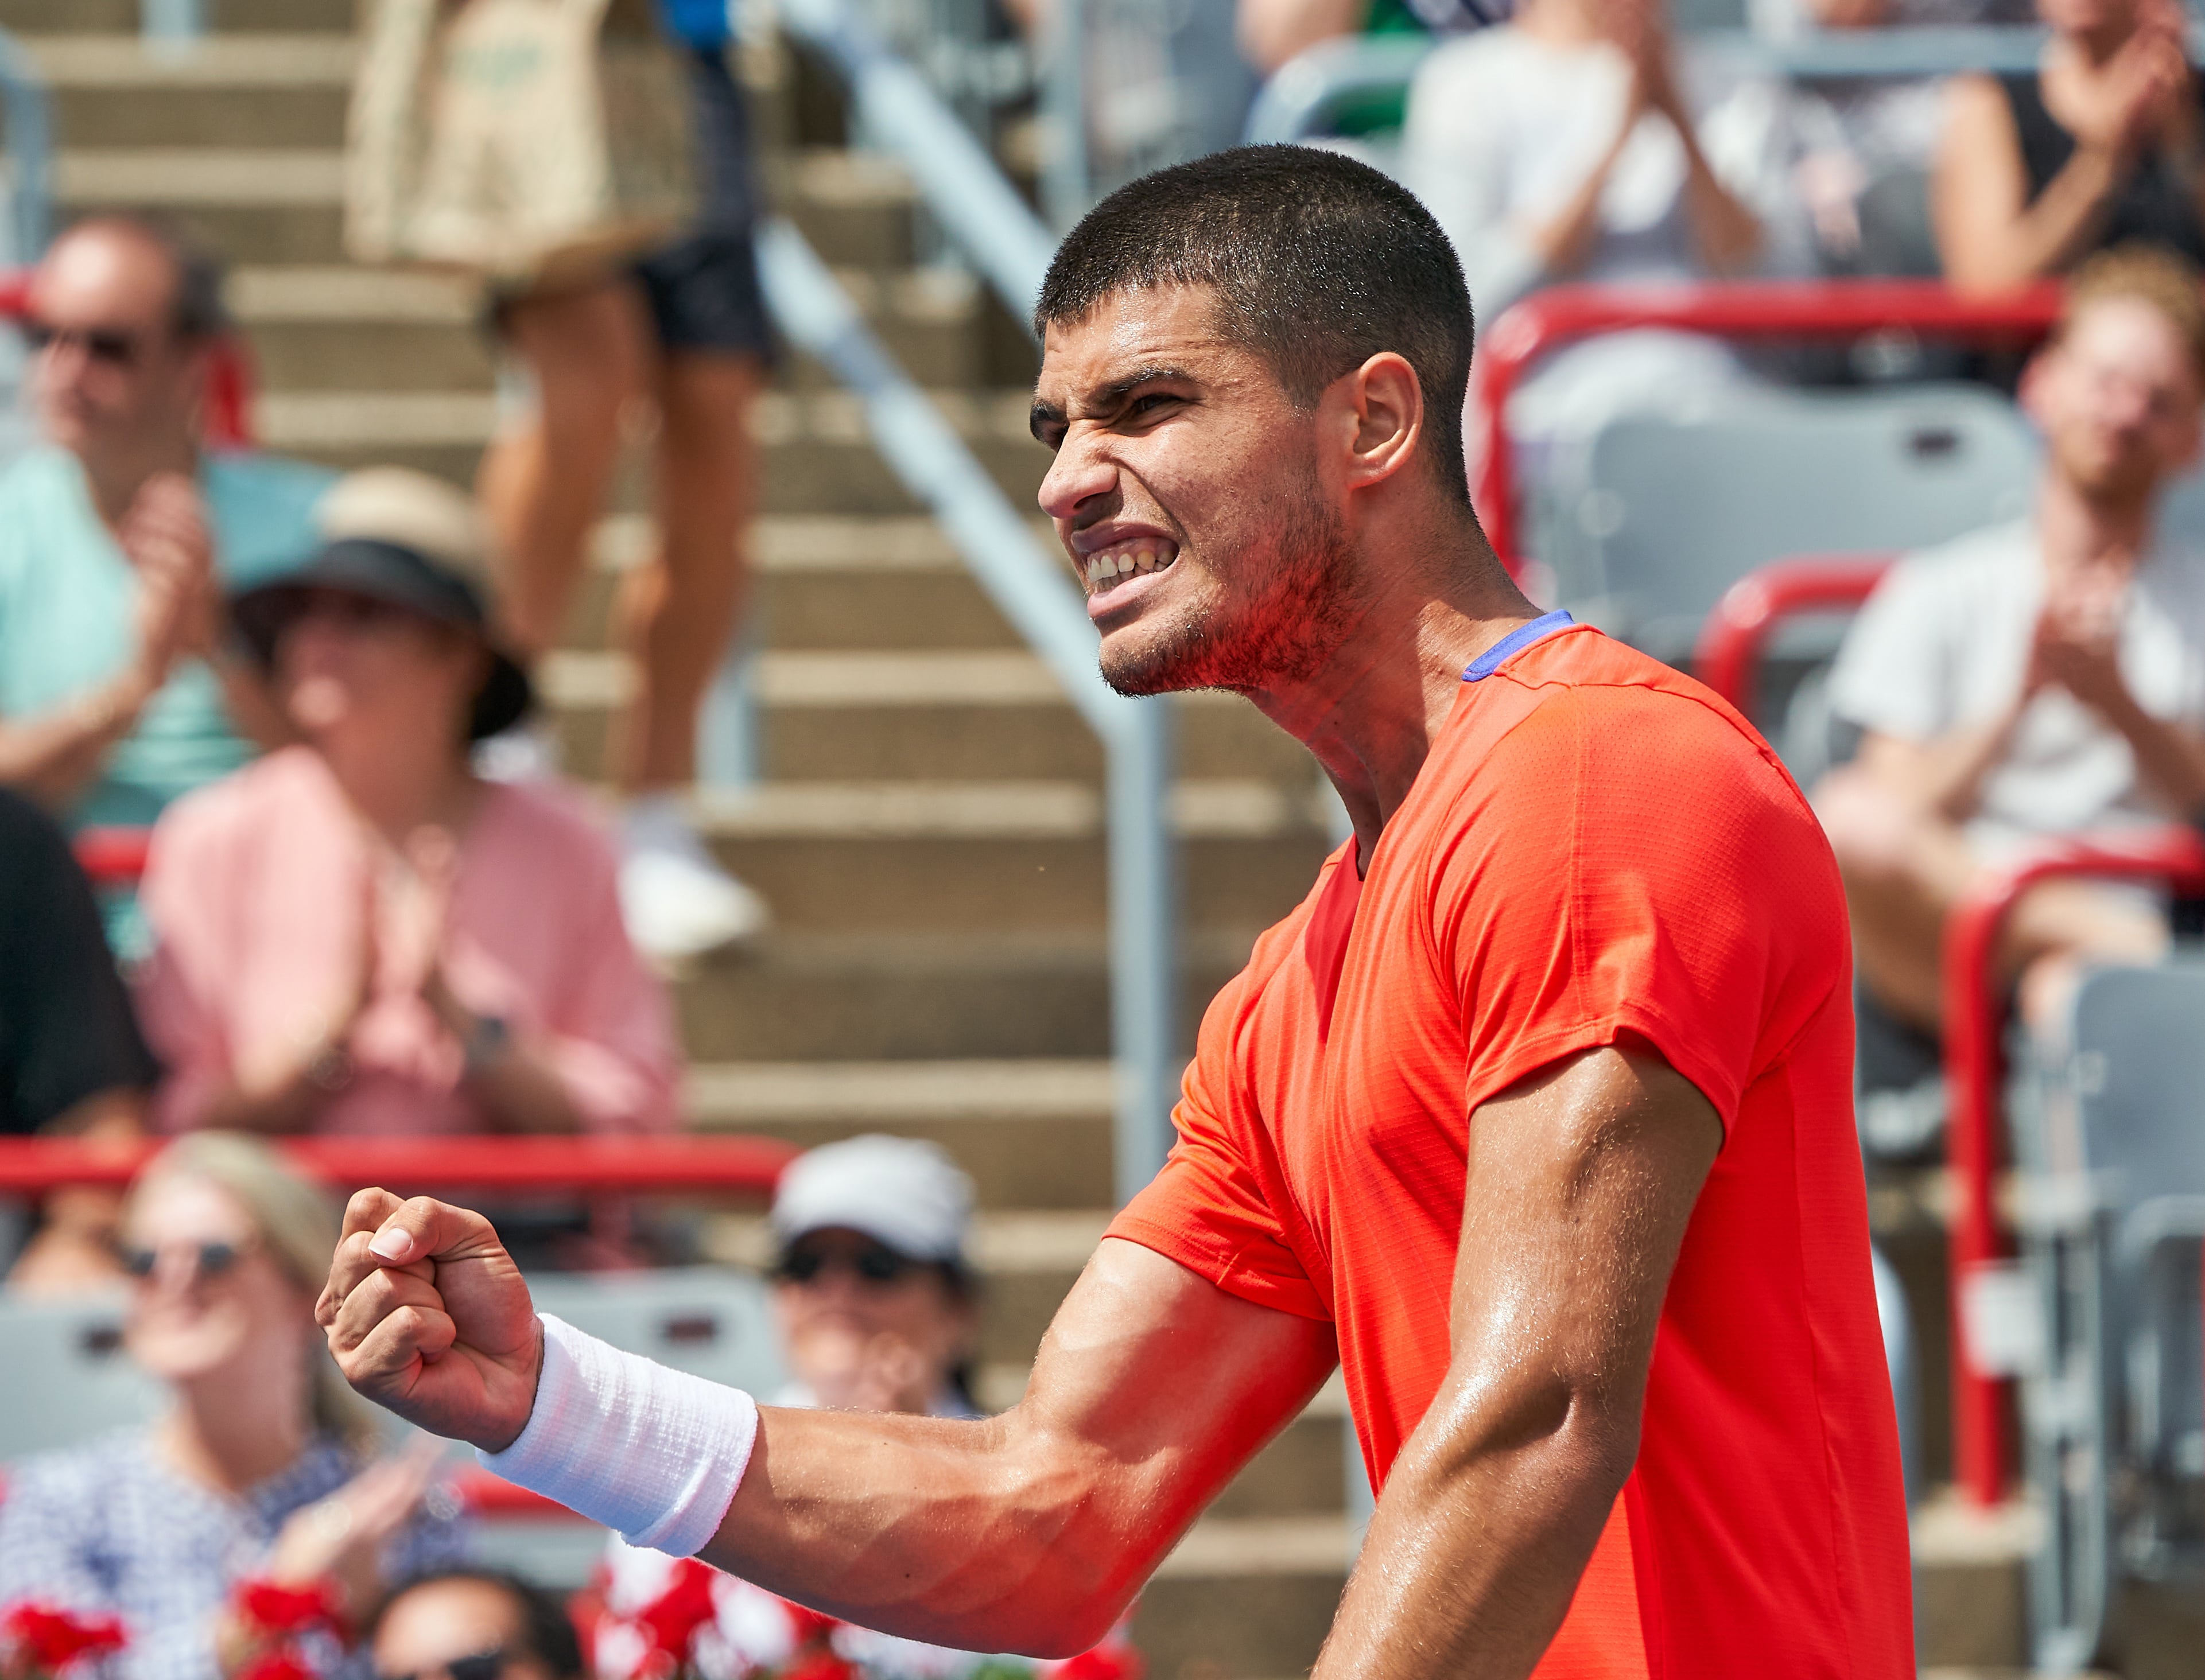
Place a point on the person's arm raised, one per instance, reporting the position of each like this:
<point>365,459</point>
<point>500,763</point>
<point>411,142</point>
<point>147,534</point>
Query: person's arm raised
<point>1581,1181</point>
<point>1027,1532</point>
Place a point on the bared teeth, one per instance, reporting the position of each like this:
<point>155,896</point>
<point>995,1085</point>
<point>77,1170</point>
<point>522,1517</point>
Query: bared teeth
<point>1106,568</point>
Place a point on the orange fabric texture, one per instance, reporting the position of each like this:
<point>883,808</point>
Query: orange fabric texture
<point>1596,848</point>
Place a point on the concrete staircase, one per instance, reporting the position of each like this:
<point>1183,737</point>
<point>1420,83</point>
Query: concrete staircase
<point>930,830</point>
<point>930,835</point>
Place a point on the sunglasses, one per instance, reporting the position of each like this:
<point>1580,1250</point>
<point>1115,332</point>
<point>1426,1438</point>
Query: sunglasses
<point>482,1666</point>
<point>876,1264</point>
<point>111,345</point>
<point>209,1260</point>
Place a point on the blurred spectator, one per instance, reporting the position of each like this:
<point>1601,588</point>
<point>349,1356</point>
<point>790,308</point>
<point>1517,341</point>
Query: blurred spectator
<point>2042,679</point>
<point>686,330</point>
<point>473,1624</point>
<point>262,1470</point>
<point>1271,32</point>
<point>873,1295</point>
<point>1562,146</point>
<point>115,543</point>
<point>2101,146</point>
<point>1867,143</point>
<point>358,934</point>
<point>71,1059</point>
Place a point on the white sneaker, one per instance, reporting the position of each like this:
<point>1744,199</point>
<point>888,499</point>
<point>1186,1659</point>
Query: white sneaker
<point>677,902</point>
<point>527,752</point>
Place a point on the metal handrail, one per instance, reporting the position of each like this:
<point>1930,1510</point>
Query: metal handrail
<point>676,1163</point>
<point>29,116</point>
<point>1007,244</point>
<point>962,186</point>
<point>1304,94</point>
<point>1839,309</point>
<point>1975,1012</point>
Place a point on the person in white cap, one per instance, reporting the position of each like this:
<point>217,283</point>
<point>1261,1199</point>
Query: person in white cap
<point>873,1290</point>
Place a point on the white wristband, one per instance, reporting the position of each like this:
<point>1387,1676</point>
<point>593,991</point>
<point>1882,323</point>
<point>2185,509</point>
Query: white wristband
<point>652,1453</point>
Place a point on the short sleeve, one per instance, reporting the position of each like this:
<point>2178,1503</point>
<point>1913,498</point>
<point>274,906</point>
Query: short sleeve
<point>1214,1208</point>
<point>1679,893</point>
<point>1894,672</point>
<point>1454,157</point>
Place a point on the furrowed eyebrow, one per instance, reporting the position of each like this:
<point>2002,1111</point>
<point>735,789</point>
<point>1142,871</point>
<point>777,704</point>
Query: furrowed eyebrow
<point>1106,398</point>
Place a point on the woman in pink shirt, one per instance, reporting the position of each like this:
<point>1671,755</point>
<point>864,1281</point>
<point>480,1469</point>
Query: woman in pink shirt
<point>356,934</point>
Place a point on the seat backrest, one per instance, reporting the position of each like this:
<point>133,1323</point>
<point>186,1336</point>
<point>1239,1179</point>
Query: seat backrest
<point>65,1378</point>
<point>2137,1123</point>
<point>1650,517</point>
<point>708,1319</point>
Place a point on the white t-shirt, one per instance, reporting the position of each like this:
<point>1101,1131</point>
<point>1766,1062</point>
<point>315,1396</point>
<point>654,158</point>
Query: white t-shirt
<point>1944,642</point>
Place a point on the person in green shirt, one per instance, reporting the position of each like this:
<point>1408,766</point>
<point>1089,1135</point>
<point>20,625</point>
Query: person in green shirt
<point>120,535</point>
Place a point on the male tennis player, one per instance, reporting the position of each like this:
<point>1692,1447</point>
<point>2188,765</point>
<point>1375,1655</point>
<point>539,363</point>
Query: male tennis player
<point>1534,1116</point>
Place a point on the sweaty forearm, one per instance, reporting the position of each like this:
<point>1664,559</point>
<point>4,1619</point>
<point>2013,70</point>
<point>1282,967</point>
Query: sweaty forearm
<point>1487,1521</point>
<point>964,1534</point>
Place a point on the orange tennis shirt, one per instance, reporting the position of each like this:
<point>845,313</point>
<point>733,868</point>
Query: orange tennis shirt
<point>1596,848</point>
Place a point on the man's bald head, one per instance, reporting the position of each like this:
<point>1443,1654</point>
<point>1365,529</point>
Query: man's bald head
<point>122,311</point>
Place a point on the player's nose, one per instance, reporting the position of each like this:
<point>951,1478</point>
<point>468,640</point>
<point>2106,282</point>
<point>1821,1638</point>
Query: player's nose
<point>1079,472</point>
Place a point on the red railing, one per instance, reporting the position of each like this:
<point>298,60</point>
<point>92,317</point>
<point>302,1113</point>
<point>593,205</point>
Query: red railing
<point>682,1163</point>
<point>1547,320</point>
<point>1975,1085</point>
<point>1728,654</point>
<point>227,417</point>
<point>1727,658</point>
<point>112,857</point>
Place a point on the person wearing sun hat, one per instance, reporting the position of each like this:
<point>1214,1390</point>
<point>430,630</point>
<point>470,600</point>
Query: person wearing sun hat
<point>357,933</point>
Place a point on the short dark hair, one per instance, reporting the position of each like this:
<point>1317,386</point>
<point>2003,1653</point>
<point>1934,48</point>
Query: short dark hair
<point>547,1632</point>
<point>196,310</point>
<point>1318,262</point>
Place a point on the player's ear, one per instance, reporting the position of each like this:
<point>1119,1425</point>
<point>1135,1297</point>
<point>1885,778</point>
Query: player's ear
<point>1386,401</point>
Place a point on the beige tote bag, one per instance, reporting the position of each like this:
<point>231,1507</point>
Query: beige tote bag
<point>537,143</point>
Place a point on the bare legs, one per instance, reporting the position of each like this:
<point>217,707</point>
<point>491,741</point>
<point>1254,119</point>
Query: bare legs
<point>545,485</point>
<point>677,612</point>
<point>1905,869</point>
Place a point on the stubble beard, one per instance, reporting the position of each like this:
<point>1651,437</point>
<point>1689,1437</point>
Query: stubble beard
<point>1281,636</point>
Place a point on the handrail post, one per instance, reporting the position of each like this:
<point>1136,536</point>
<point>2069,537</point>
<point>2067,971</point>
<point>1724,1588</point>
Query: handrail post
<point>1144,964</point>
<point>30,147</point>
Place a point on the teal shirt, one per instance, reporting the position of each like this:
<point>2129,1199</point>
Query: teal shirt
<point>67,613</point>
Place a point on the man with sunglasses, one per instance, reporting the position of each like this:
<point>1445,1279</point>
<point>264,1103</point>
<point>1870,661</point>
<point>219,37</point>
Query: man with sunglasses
<point>119,534</point>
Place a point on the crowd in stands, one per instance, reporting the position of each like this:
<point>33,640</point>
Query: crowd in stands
<point>370,906</point>
<point>265,1515</point>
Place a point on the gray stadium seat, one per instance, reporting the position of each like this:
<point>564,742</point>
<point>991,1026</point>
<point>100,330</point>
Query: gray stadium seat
<point>2109,1140</point>
<point>1647,519</point>
<point>65,1378</point>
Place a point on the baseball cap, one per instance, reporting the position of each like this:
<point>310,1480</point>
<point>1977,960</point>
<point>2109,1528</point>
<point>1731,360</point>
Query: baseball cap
<point>395,535</point>
<point>901,1191</point>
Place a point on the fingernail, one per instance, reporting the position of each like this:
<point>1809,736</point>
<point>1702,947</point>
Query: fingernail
<point>390,1244</point>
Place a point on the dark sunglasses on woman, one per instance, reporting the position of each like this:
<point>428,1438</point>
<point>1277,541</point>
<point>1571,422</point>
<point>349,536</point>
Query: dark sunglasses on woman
<point>209,1260</point>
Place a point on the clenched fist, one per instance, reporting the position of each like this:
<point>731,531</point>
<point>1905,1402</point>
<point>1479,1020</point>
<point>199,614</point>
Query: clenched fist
<point>428,1316</point>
